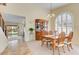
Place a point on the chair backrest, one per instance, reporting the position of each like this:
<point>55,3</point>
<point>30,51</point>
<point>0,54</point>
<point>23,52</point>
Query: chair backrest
<point>61,38</point>
<point>70,36</point>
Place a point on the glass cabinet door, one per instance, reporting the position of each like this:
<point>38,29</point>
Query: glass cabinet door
<point>41,25</point>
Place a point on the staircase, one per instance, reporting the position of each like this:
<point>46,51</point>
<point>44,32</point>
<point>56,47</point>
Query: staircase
<point>3,41</point>
<point>3,25</point>
<point>3,33</point>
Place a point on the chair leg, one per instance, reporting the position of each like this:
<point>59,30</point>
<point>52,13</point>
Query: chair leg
<point>56,48</point>
<point>58,51</point>
<point>71,46</point>
<point>53,51</point>
<point>47,44</point>
<point>68,47</point>
<point>42,43</point>
<point>63,49</point>
<point>50,47</point>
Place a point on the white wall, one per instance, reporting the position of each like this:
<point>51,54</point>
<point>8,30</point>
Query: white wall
<point>73,9</point>
<point>31,13</point>
<point>21,28</point>
<point>3,41</point>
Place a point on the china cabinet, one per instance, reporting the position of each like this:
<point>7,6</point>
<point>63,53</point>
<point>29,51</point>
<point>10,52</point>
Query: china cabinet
<point>41,27</point>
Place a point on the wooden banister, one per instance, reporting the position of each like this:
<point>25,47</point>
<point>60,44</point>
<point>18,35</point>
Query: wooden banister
<point>4,4</point>
<point>2,24</point>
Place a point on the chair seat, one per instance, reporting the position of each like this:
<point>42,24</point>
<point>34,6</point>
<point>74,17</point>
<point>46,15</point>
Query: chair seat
<point>59,45</point>
<point>67,42</point>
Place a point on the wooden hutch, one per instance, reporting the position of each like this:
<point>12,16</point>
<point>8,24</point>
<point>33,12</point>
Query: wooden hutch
<point>41,27</point>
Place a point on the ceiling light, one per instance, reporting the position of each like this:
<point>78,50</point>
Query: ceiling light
<point>51,14</point>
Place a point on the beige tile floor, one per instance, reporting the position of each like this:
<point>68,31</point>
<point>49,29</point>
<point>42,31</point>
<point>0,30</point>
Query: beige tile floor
<point>35,47</point>
<point>17,48</point>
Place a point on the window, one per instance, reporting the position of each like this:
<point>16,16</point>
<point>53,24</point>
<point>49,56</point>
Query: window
<point>63,23</point>
<point>12,30</point>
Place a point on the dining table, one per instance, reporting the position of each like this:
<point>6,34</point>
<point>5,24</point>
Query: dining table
<point>52,38</point>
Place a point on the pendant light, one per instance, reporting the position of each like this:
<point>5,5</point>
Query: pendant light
<point>51,14</point>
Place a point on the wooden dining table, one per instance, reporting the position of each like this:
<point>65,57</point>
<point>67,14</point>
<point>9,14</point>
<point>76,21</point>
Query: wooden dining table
<point>52,38</point>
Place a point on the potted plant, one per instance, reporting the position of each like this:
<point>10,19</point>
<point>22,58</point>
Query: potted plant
<point>31,30</point>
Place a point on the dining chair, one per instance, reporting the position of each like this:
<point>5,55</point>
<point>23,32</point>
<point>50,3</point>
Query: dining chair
<point>45,39</point>
<point>59,42</point>
<point>69,41</point>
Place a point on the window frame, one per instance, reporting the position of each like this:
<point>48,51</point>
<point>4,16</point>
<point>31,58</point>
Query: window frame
<point>56,22</point>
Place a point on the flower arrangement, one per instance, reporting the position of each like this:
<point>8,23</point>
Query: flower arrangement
<point>31,29</point>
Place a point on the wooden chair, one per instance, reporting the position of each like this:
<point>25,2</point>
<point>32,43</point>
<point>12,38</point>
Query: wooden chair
<point>59,42</point>
<point>69,41</point>
<point>45,39</point>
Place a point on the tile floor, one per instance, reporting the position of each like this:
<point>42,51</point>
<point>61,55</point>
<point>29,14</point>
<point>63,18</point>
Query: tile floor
<point>35,47</point>
<point>16,47</point>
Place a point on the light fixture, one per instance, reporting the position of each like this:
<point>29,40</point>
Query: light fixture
<point>51,14</point>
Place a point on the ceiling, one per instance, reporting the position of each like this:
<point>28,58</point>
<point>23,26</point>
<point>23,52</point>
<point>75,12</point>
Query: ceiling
<point>42,5</point>
<point>16,19</point>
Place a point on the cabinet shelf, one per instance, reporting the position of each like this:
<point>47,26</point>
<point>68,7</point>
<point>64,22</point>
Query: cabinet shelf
<point>40,27</point>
